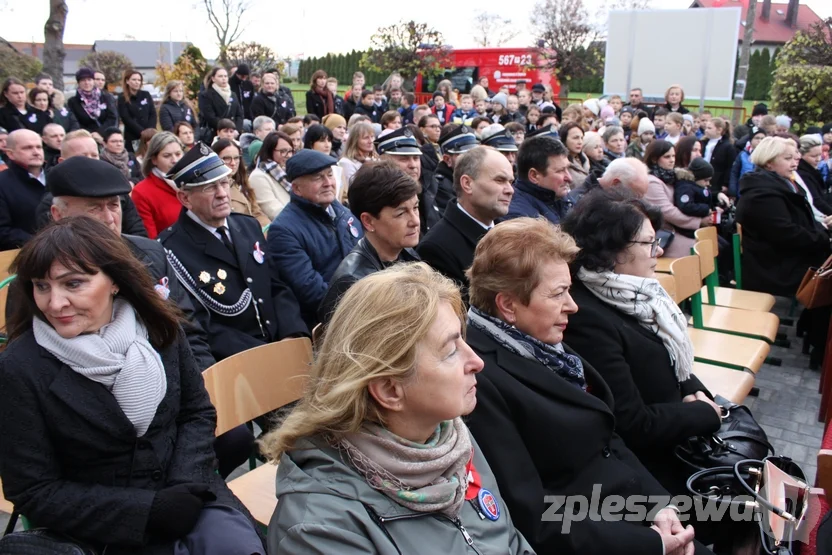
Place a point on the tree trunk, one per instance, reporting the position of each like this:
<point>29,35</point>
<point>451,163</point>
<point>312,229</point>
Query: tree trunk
<point>564,91</point>
<point>745,53</point>
<point>53,49</point>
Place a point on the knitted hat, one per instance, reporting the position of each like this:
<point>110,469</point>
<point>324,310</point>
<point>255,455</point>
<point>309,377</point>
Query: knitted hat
<point>500,98</point>
<point>759,110</point>
<point>607,113</point>
<point>243,69</point>
<point>592,105</point>
<point>645,125</point>
<point>331,121</point>
<point>783,120</point>
<point>688,117</point>
<point>826,128</point>
<point>813,130</point>
<point>701,169</point>
<point>84,73</point>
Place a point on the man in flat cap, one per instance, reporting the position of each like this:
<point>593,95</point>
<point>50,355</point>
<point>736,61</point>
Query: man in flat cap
<point>310,236</point>
<point>220,259</point>
<point>402,148</point>
<point>455,140</point>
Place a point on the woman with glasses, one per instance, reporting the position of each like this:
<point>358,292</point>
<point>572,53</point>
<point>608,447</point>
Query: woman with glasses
<point>633,333</point>
<point>268,180</point>
<point>155,196</point>
<point>243,199</point>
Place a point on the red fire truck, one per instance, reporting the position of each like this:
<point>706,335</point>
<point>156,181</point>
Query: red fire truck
<point>502,66</point>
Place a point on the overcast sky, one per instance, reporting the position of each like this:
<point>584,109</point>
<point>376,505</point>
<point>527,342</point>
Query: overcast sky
<point>291,28</point>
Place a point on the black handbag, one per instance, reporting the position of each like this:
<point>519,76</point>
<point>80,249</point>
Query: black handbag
<point>739,437</point>
<point>40,541</point>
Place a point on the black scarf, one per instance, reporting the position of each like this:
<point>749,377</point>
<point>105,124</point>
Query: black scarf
<point>667,176</point>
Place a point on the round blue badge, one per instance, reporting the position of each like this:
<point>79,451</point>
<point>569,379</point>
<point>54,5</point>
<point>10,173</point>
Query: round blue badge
<point>488,504</point>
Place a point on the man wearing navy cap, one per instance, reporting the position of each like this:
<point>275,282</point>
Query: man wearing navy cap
<point>310,236</point>
<point>401,148</point>
<point>496,136</point>
<point>455,140</point>
<point>220,259</point>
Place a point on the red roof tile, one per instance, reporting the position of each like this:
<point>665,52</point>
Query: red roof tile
<point>775,30</point>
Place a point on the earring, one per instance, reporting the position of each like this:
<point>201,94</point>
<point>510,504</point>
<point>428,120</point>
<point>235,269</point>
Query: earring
<point>115,292</point>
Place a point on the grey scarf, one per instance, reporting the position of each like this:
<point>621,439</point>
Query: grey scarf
<point>119,357</point>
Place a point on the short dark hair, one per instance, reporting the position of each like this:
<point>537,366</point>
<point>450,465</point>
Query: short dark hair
<point>447,129</point>
<point>478,120</point>
<point>270,143</point>
<point>377,185</point>
<point>604,224</point>
<point>41,76</point>
<point>564,130</point>
<point>309,118</point>
<point>315,133</point>
<point>410,97</point>
<point>388,117</point>
<point>661,112</point>
<point>88,246</point>
<point>684,149</point>
<point>655,150</point>
<point>226,123</point>
<point>534,153</point>
<point>365,93</point>
<point>109,132</point>
<point>377,88</point>
<point>545,117</point>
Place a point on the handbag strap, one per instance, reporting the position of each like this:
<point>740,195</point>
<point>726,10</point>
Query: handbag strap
<point>724,437</point>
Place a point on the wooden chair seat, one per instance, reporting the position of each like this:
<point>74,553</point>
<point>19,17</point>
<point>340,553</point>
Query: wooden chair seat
<point>5,505</point>
<point>256,489</point>
<point>761,325</point>
<point>734,385</point>
<point>726,350</point>
<point>737,298</point>
<point>663,265</point>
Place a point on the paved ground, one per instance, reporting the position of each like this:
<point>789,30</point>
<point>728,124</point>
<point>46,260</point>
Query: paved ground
<point>787,406</point>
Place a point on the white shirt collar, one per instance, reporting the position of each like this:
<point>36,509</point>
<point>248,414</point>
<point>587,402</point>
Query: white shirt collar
<point>41,177</point>
<point>485,227</point>
<point>213,230</point>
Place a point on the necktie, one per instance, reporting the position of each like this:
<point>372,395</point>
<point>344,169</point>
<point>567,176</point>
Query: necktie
<point>223,231</point>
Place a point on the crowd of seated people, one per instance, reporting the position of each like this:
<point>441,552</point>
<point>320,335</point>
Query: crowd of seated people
<point>479,273</point>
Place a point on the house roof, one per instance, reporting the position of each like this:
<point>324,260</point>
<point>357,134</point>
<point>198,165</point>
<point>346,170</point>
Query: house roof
<point>775,30</point>
<point>74,52</point>
<point>143,53</point>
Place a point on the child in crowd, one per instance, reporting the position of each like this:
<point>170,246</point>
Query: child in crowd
<point>518,131</point>
<point>226,130</point>
<point>395,100</point>
<point>513,110</point>
<point>687,125</point>
<point>442,110</point>
<point>531,118</point>
<point>659,118</point>
<point>406,109</point>
<point>704,118</point>
<point>644,136</point>
<point>498,107</point>
<point>524,99</point>
<point>673,127</point>
<point>692,192</point>
<point>482,107</point>
<point>378,98</point>
<point>548,118</point>
<point>466,113</point>
<point>626,117</point>
<point>616,104</point>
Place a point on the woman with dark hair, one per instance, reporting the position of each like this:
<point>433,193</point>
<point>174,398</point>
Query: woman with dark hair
<point>243,199</point>
<point>39,105</point>
<point>15,113</point>
<point>218,102</point>
<point>687,149</point>
<point>184,131</point>
<point>572,137</point>
<point>175,107</point>
<point>115,154</point>
<point>319,99</point>
<point>633,333</point>
<point>94,108</point>
<point>95,348</point>
<point>660,159</point>
<point>386,201</point>
<point>136,108</point>
<point>268,180</point>
<point>718,149</point>
<point>318,137</point>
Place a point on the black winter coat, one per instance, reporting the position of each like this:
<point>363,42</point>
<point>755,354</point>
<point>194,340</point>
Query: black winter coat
<point>276,107</point>
<point>213,108</point>
<point>107,118</point>
<point>722,160</point>
<point>316,105</point>
<point>349,108</point>
<point>373,112</point>
<point>137,115</point>
<point>649,413</point>
<point>171,113</point>
<point>445,178</point>
<point>70,458</point>
<point>543,437</point>
<point>780,237</point>
<point>821,194</point>
<point>429,211</point>
<point>20,195</point>
<point>362,261</point>
<point>245,93</point>
<point>33,120</point>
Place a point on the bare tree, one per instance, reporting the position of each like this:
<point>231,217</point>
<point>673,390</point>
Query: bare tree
<point>564,37</point>
<point>492,30</point>
<point>226,17</point>
<point>53,46</point>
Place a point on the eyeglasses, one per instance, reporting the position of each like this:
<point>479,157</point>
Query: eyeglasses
<point>212,189</point>
<point>284,151</point>
<point>654,246</point>
<point>229,159</point>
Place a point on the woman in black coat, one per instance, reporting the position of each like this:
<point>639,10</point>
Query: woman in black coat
<point>108,430</point>
<point>93,108</point>
<point>269,101</point>
<point>721,155</point>
<point>319,99</point>
<point>136,108</point>
<point>659,403</point>
<point>544,416</point>
<point>16,113</point>
<point>218,102</point>
<point>811,155</point>
<point>175,107</point>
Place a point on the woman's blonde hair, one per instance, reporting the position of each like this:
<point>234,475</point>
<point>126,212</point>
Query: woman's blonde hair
<point>670,88</point>
<point>375,333</point>
<point>508,260</point>
<point>357,131</point>
<point>769,149</point>
<point>58,100</point>
<point>478,93</point>
<point>592,139</point>
<point>575,112</point>
<point>173,85</point>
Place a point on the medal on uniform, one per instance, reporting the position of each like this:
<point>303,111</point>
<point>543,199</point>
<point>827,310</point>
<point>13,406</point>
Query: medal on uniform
<point>221,274</point>
<point>353,230</point>
<point>162,288</point>
<point>258,254</point>
<point>219,288</point>
<point>488,504</point>
<point>204,277</point>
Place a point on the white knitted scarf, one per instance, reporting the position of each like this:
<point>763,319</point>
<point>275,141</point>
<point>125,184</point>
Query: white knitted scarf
<point>120,357</point>
<point>646,301</point>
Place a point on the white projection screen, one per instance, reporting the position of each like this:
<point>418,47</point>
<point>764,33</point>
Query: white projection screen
<point>652,49</point>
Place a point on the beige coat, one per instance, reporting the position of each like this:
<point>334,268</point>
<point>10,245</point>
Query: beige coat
<point>241,205</point>
<point>271,196</point>
<point>578,171</point>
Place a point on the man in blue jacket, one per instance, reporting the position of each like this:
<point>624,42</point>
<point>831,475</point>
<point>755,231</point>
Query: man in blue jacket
<point>311,236</point>
<point>542,187</point>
